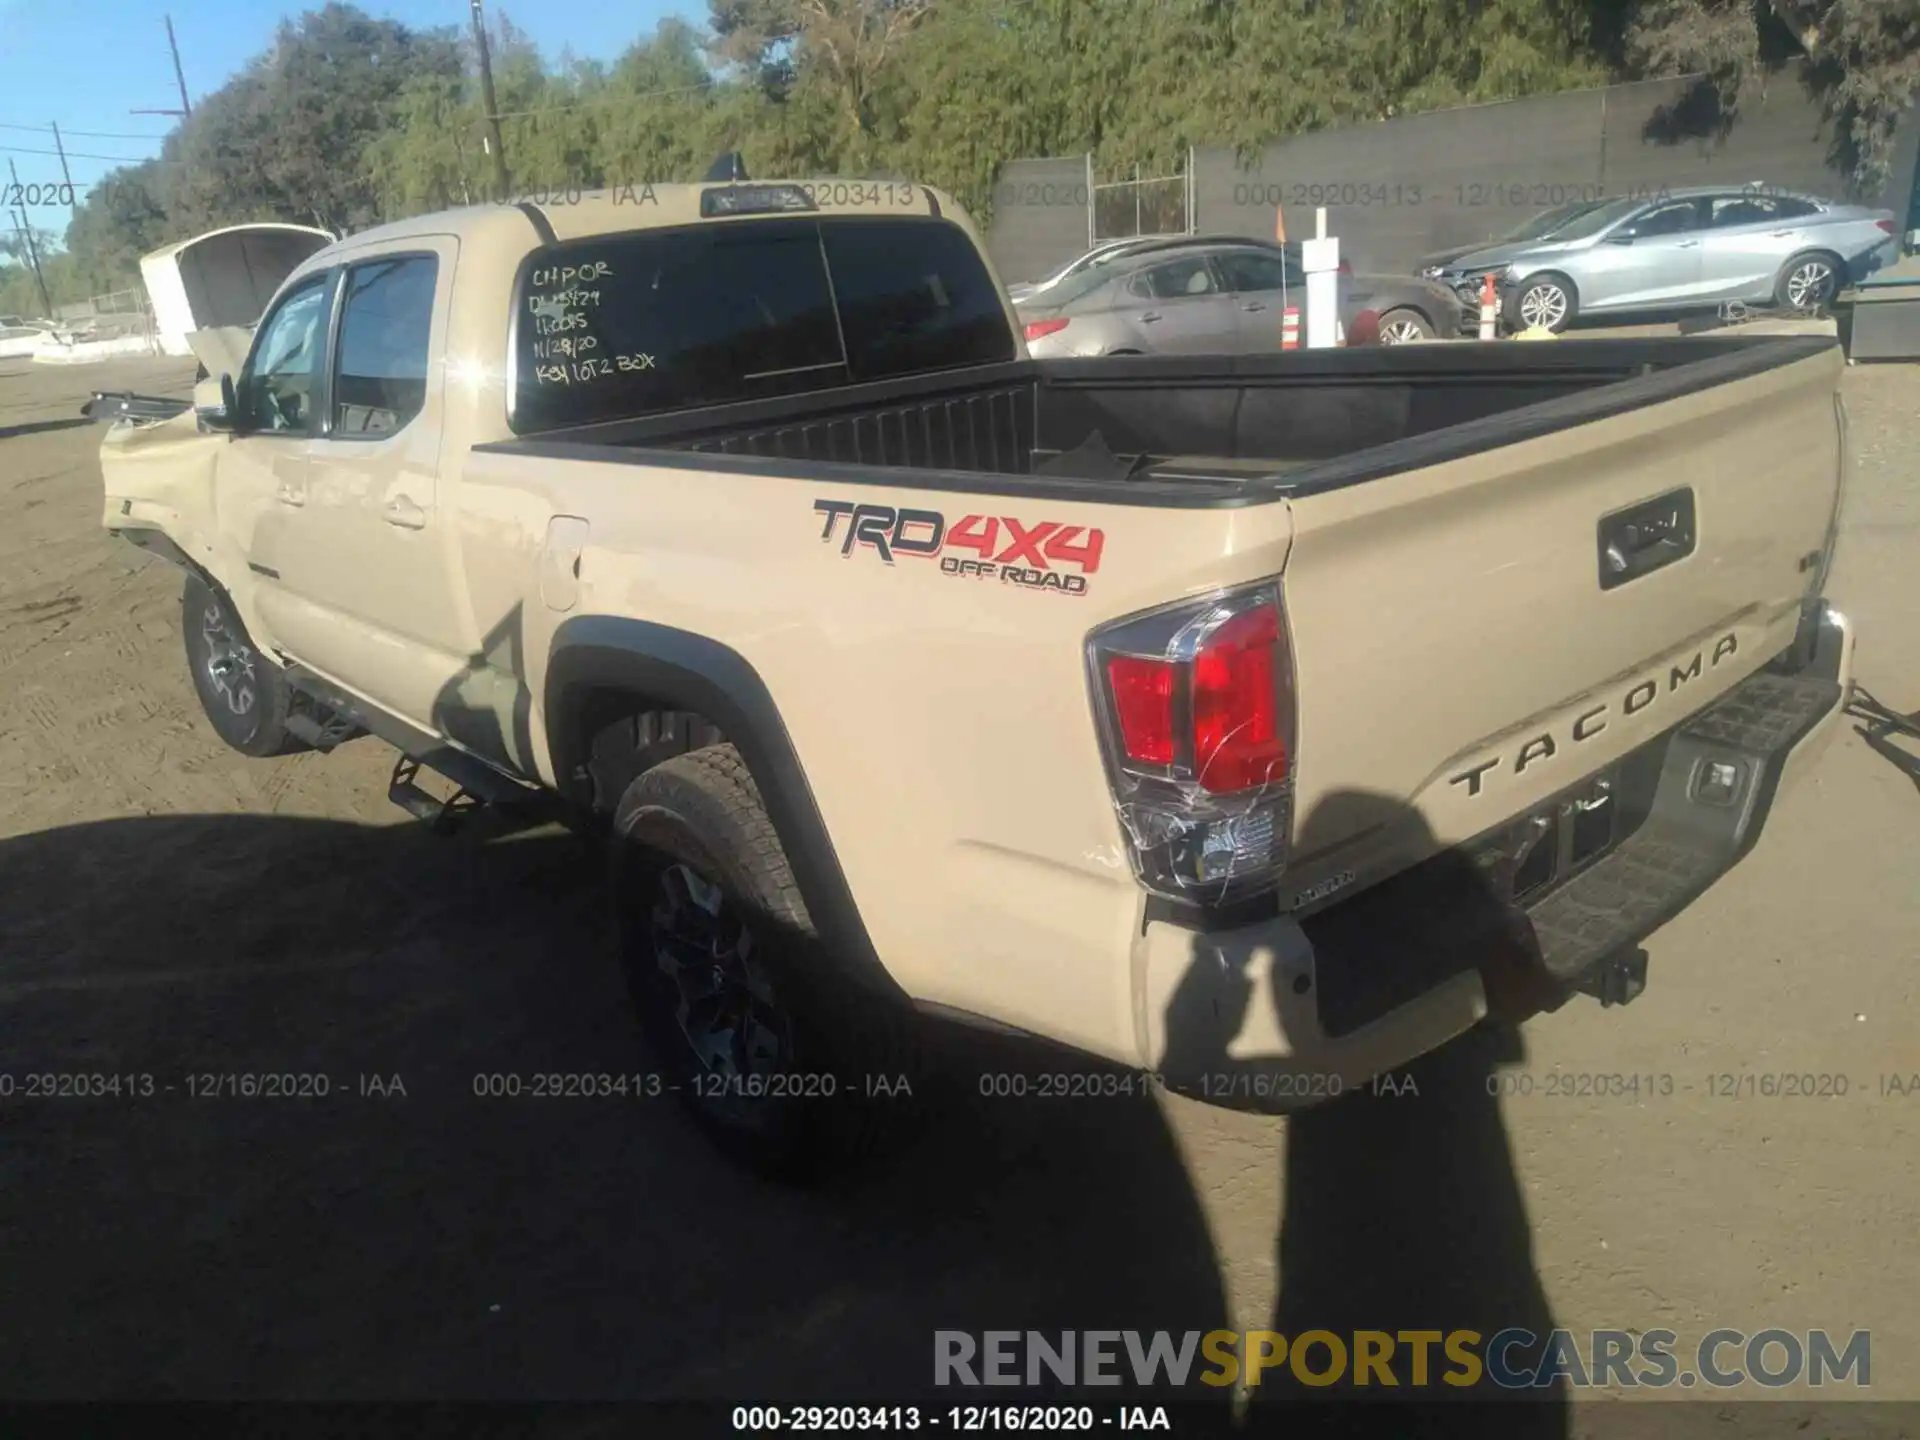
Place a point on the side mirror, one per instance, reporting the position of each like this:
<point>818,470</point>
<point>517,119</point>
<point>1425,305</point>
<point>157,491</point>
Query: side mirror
<point>222,415</point>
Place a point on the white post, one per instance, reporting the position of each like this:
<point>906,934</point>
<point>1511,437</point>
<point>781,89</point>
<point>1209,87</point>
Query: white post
<point>1320,258</point>
<point>1092,237</point>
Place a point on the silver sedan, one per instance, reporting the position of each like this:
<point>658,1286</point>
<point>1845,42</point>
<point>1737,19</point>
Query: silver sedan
<point>1681,250</point>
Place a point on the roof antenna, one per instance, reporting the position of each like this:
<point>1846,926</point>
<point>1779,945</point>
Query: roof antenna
<point>727,169</point>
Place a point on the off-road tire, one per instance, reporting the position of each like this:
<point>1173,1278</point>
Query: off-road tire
<point>248,707</point>
<point>702,810</point>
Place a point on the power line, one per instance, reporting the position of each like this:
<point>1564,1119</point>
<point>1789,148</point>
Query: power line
<point>90,134</point>
<point>77,154</point>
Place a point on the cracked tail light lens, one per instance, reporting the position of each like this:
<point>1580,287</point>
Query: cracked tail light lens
<point>1236,705</point>
<point>1196,711</point>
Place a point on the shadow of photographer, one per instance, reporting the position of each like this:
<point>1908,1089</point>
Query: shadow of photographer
<point>1403,1218</point>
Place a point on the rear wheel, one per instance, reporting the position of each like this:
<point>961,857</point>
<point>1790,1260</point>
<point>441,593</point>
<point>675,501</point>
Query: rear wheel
<point>1398,327</point>
<point>774,1056</point>
<point>1808,282</point>
<point>245,694</point>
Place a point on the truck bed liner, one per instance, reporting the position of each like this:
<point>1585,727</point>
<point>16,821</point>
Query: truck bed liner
<point>1189,431</point>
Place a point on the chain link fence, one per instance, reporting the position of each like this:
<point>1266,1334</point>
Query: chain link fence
<point>112,316</point>
<point>1143,205</point>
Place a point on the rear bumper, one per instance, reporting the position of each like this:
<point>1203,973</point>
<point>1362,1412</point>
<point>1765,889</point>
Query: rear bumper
<point>1287,1012</point>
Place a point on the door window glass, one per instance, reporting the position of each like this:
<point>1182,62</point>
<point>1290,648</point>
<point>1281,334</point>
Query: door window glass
<point>1675,219</point>
<point>277,388</point>
<point>1180,279</point>
<point>1248,271</point>
<point>386,322</point>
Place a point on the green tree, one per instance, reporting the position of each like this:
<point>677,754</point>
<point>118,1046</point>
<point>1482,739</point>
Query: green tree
<point>120,219</point>
<point>1864,61</point>
<point>288,138</point>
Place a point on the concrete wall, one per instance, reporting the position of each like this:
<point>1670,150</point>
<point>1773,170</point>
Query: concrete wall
<point>1398,189</point>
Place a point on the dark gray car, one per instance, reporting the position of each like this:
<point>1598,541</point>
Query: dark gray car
<point>1200,295</point>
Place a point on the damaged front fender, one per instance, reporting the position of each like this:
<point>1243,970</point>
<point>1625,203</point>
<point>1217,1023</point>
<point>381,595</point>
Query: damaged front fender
<point>158,491</point>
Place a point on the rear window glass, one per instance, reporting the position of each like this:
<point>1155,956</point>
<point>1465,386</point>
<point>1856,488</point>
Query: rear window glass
<point>622,326</point>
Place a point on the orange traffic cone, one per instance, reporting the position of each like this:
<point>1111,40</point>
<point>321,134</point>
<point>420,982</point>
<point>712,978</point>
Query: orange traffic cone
<point>1489,309</point>
<point>1290,328</point>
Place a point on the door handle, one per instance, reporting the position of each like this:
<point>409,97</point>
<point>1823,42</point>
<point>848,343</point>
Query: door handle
<point>404,513</point>
<point>1149,317</point>
<point>1255,305</point>
<point>1686,244</point>
<point>289,492</point>
<point>1778,234</point>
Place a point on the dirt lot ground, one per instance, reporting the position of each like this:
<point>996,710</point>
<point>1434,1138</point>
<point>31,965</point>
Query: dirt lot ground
<point>169,908</point>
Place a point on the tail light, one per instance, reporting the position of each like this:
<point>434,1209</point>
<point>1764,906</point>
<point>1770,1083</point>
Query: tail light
<point>1039,329</point>
<point>1196,711</point>
<point>1886,225</point>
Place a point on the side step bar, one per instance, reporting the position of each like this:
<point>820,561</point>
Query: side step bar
<point>335,717</point>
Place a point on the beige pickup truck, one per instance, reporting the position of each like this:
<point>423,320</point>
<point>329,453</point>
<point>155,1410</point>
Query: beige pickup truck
<point>1257,723</point>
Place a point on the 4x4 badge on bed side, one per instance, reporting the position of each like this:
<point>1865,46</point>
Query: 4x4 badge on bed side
<point>1003,548</point>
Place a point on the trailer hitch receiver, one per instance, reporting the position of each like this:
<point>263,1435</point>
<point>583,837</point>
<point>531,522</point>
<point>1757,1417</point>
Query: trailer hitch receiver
<point>1618,979</point>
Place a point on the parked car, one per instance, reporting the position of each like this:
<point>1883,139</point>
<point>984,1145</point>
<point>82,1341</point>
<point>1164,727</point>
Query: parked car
<point>1101,254</point>
<point>1029,757</point>
<point>1683,250</point>
<point>20,339</point>
<point>1213,295</point>
<point>1534,227</point>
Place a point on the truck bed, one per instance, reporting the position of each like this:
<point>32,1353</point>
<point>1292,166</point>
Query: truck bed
<point>1180,430</point>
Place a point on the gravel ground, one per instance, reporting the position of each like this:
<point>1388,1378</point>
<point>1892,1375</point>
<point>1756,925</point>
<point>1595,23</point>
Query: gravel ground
<point>169,908</point>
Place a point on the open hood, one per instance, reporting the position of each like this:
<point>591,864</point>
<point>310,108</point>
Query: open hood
<point>222,278</point>
<point>223,350</point>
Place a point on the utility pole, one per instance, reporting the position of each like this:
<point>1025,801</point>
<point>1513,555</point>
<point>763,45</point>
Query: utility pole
<point>500,180</point>
<point>180,78</point>
<point>26,239</point>
<point>65,173</point>
<point>179,75</point>
<point>460,157</point>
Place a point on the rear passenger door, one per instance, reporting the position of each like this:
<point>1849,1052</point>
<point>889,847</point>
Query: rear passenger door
<point>1262,285</point>
<point>1180,307</point>
<point>374,593</point>
<point>1748,238</point>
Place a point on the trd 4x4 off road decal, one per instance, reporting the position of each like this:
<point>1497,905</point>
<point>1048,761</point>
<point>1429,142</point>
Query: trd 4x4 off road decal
<point>1042,556</point>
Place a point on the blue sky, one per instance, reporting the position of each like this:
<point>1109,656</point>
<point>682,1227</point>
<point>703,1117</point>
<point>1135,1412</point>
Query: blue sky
<point>85,64</point>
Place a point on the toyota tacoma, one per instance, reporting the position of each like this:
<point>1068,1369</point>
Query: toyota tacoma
<point>1277,715</point>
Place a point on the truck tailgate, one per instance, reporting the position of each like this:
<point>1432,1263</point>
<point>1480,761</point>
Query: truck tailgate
<point>1473,638</point>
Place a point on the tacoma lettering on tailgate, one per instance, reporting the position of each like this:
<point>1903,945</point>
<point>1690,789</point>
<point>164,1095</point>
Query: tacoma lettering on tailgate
<point>1000,547</point>
<point>1590,723</point>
